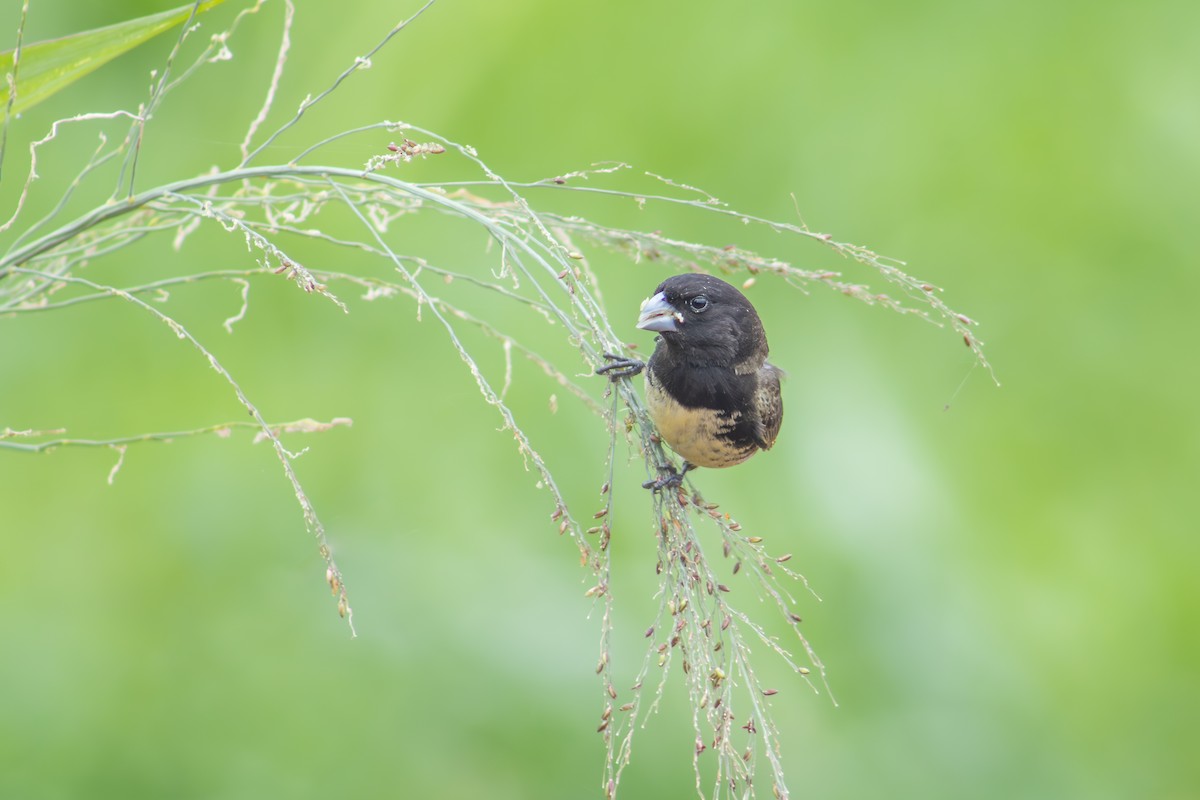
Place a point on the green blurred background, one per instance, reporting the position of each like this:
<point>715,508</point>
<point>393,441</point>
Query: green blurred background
<point>1009,583</point>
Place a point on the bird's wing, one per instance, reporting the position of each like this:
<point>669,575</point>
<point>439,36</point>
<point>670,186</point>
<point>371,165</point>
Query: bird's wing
<point>768,402</point>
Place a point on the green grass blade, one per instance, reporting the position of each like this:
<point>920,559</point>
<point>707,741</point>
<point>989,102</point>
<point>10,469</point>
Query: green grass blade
<point>46,67</point>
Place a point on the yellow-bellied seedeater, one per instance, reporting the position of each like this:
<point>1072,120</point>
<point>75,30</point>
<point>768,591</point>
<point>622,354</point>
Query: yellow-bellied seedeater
<point>709,388</point>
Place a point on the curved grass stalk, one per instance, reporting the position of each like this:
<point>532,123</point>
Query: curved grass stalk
<point>538,266</point>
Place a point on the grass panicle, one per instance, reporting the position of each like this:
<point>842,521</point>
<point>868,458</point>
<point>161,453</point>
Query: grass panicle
<point>543,264</point>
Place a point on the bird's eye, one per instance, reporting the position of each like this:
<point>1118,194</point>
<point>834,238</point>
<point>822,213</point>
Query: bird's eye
<point>698,303</point>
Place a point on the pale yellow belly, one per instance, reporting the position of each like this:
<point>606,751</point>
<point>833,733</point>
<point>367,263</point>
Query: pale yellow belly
<point>694,433</point>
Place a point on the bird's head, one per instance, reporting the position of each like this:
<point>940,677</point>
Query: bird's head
<point>706,318</point>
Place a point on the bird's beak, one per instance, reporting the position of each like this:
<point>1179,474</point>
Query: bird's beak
<point>659,315</point>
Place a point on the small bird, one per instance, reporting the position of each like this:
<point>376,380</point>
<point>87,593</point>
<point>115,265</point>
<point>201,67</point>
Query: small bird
<point>709,388</point>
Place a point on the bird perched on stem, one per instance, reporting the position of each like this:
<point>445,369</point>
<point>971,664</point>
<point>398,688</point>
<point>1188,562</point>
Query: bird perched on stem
<point>709,388</point>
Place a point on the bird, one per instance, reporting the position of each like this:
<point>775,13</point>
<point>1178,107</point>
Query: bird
<point>712,394</point>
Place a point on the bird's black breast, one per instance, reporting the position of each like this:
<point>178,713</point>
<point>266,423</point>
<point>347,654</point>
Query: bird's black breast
<point>701,386</point>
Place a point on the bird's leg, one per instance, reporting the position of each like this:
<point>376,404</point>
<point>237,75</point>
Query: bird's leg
<point>671,477</point>
<point>620,367</point>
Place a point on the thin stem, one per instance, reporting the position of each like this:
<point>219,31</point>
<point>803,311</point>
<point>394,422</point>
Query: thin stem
<point>358,64</point>
<point>156,94</point>
<point>12,83</point>
<point>8,435</point>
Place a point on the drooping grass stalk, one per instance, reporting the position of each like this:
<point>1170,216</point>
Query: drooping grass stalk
<point>541,265</point>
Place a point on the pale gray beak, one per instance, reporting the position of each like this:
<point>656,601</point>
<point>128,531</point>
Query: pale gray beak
<point>659,315</point>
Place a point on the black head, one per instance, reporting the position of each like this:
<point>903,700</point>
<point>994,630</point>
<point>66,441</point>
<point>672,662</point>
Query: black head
<point>705,317</point>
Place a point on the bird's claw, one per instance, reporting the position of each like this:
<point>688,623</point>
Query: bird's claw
<point>670,478</point>
<point>620,367</point>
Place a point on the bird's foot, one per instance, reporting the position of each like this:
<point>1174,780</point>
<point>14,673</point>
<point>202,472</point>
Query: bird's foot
<point>620,367</point>
<point>670,478</point>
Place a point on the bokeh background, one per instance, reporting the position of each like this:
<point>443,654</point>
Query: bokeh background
<point>1008,574</point>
